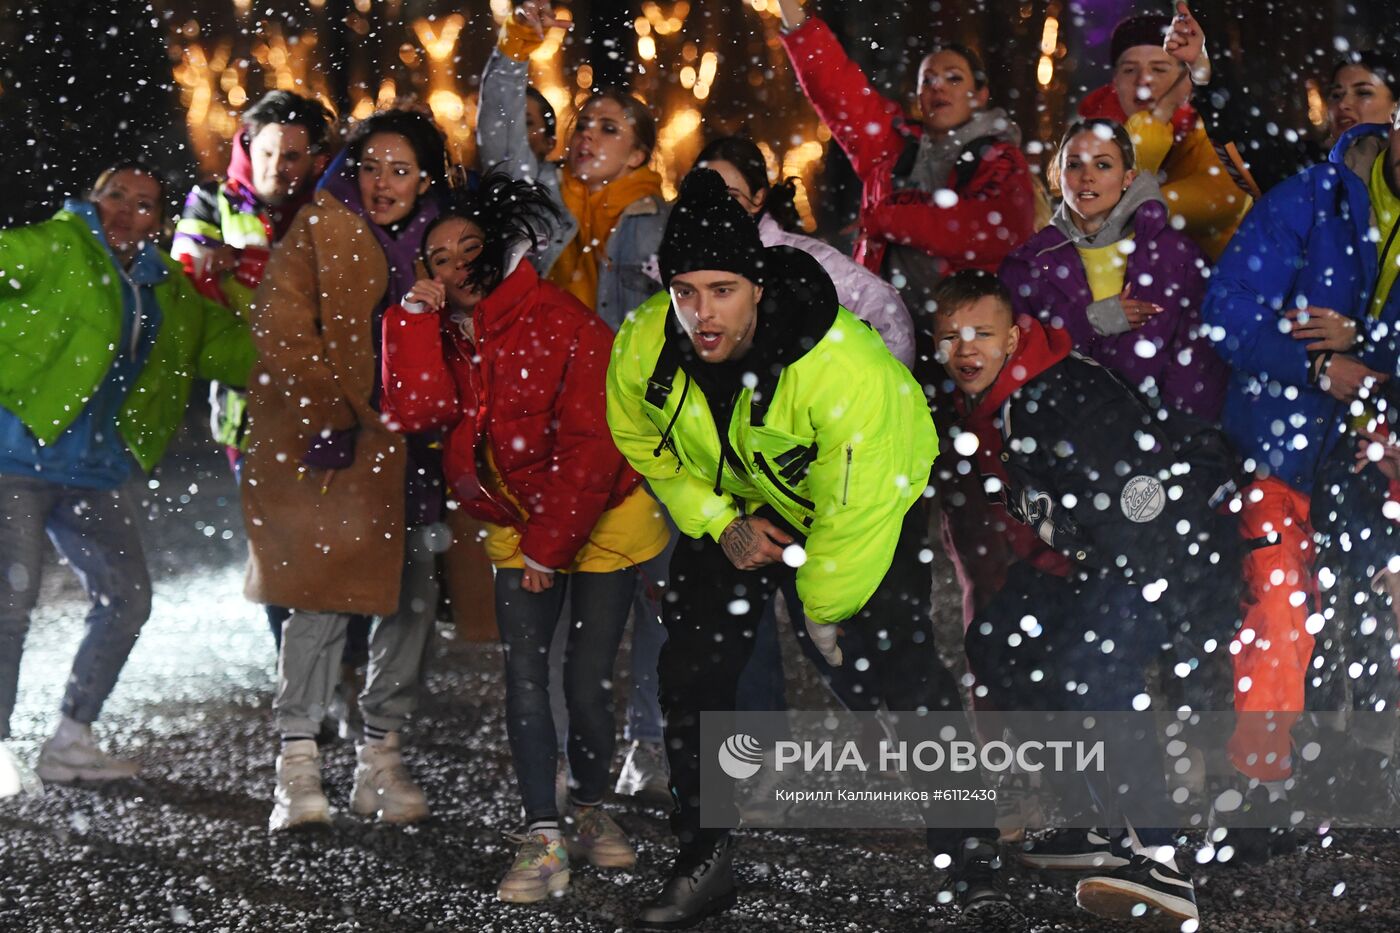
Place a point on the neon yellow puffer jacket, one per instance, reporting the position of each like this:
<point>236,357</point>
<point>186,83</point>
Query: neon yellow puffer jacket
<point>841,451</point>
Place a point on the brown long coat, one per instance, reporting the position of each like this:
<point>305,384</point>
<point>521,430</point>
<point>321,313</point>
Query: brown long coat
<point>340,550</point>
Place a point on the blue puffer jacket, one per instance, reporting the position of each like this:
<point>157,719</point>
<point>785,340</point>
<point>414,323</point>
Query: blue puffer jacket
<point>1307,242</point>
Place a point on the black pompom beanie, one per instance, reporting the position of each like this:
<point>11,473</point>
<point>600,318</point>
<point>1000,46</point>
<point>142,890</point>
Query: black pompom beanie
<point>708,229</point>
<point>1146,29</point>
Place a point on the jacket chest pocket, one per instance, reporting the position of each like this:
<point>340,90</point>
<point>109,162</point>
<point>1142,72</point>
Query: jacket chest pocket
<point>781,461</point>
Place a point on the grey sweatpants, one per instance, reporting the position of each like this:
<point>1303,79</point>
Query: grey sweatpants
<point>95,531</point>
<point>308,668</point>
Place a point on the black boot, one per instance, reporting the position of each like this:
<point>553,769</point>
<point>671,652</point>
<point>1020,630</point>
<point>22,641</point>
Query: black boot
<point>701,885</point>
<point>977,889</point>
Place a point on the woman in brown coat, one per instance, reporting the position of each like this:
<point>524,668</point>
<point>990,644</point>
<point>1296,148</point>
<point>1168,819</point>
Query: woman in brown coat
<point>341,511</point>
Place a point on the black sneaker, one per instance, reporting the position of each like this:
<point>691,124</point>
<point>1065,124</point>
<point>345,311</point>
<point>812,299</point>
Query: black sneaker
<point>1255,845</point>
<point>981,899</point>
<point>701,885</point>
<point>1138,888</point>
<point>1069,850</point>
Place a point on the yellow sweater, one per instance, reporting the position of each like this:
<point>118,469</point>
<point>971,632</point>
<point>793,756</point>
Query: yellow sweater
<point>1105,268</point>
<point>627,534</point>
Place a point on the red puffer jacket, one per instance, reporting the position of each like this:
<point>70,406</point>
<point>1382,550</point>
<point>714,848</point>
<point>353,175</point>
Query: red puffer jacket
<point>531,386</point>
<point>995,209</point>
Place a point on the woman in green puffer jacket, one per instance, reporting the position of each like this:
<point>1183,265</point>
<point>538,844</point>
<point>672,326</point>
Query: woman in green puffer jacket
<point>101,335</point>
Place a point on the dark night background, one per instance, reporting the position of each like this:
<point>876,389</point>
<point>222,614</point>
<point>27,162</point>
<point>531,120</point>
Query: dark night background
<point>82,85</point>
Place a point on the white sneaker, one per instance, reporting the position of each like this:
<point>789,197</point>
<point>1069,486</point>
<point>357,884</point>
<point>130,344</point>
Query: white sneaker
<point>298,800</point>
<point>16,777</point>
<point>645,773</point>
<point>383,787</point>
<point>79,759</point>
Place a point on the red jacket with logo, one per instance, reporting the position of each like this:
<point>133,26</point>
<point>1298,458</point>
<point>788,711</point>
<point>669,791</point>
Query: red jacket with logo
<point>995,209</point>
<point>530,386</point>
<point>981,537</point>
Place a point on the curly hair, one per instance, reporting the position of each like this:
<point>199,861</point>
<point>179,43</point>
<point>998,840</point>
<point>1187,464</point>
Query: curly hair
<point>508,212</point>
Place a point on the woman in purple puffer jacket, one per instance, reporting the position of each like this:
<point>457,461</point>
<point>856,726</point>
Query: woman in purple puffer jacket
<point>1113,273</point>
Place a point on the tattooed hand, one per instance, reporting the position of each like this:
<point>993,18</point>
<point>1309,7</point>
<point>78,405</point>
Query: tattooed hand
<point>752,542</point>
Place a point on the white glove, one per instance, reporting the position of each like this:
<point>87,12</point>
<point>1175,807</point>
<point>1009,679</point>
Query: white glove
<point>823,635</point>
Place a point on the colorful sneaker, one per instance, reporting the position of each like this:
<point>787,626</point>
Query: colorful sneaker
<point>541,870</point>
<point>1144,884</point>
<point>600,841</point>
<point>383,786</point>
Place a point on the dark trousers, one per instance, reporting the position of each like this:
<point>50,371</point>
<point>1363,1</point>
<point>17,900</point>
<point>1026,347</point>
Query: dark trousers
<point>712,615</point>
<point>1095,644</point>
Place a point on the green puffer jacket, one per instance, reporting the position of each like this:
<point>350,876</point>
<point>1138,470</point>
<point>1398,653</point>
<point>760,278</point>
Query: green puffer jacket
<point>841,450</point>
<point>59,334</point>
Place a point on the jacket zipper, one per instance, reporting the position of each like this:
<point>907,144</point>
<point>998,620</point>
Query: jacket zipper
<point>807,504</point>
<point>135,324</point>
<point>846,486</point>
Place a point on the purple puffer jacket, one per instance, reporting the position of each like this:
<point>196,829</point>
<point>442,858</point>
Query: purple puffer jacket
<point>1046,278</point>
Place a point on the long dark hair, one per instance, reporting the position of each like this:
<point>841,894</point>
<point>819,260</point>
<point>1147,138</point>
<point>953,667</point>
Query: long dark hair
<point>507,212</point>
<point>1379,64</point>
<point>746,157</point>
<point>424,138</point>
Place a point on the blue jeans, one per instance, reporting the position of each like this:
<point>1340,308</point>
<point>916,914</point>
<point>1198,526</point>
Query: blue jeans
<point>96,532</point>
<point>644,720</point>
<point>597,618</point>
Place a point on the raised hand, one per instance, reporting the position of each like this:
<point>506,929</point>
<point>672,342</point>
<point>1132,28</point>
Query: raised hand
<point>428,294</point>
<point>1186,42</point>
<point>540,17</point>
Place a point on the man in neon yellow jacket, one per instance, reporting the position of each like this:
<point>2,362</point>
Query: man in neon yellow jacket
<point>101,335</point>
<point>819,469</point>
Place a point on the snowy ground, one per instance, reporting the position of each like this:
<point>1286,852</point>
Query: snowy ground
<point>187,846</point>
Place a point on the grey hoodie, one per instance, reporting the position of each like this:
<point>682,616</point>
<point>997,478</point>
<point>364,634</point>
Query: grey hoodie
<point>1107,315</point>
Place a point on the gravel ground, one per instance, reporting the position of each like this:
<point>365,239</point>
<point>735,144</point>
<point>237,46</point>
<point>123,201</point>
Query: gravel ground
<point>186,845</point>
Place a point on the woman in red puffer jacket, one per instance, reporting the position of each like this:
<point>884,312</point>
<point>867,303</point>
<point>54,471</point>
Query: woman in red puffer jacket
<point>513,369</point>
<point>946,192</point>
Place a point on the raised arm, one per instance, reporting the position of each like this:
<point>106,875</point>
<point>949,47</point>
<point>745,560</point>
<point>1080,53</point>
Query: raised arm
<point>860,119</point>
<point>993,215</point>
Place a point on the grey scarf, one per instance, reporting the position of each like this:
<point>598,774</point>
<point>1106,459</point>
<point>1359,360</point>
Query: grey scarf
<point>1119,222</point>
<point>938,152</point>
